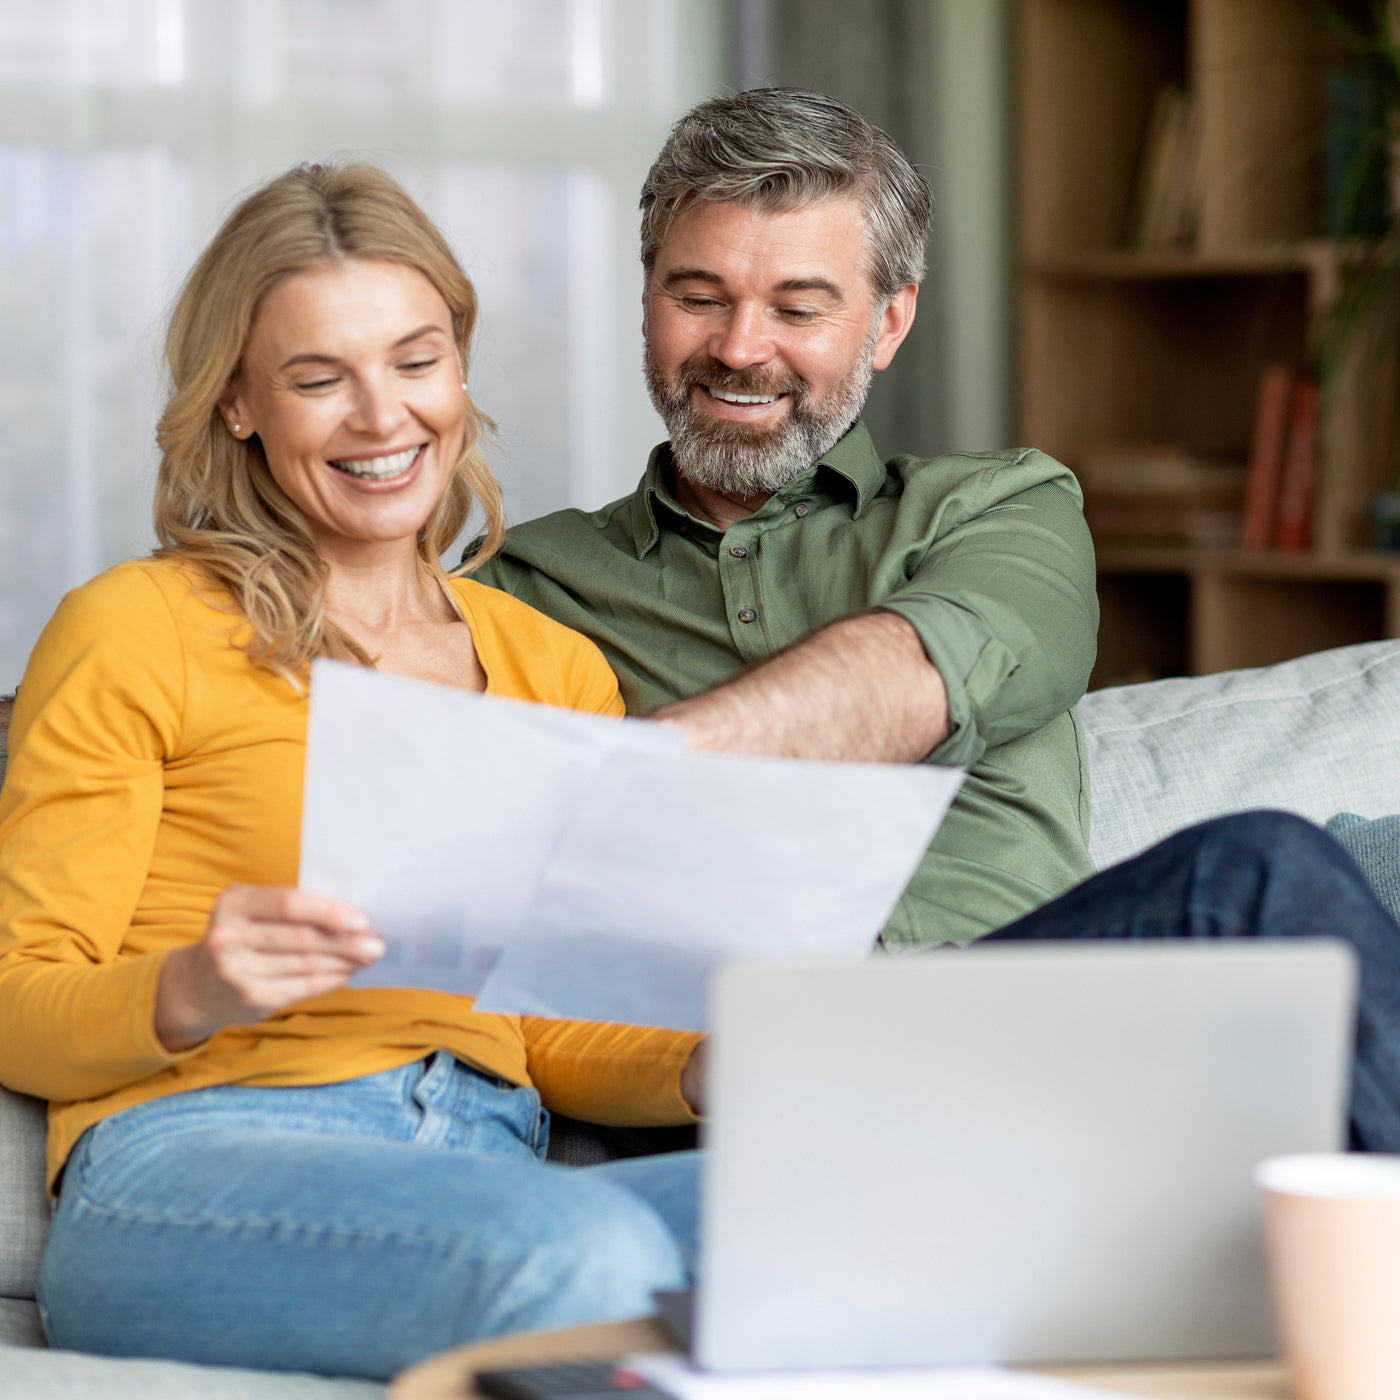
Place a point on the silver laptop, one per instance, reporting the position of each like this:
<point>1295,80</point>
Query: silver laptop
<point>1009,1154</point>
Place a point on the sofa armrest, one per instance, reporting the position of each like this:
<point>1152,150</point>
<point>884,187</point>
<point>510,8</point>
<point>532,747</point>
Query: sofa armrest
<point>24,1207</point>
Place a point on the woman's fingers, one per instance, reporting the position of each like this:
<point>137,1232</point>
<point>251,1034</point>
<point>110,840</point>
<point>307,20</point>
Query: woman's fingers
<point>264,949</point>
<point>256,966</point>
<point>257,960</point>
<point>292,941</point>
<point>261,904</point>
<point>291,921</point>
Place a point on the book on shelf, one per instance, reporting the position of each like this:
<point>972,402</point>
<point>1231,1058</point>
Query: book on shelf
<point>1273,408</point>
<point>1147,521</point>
<point>1166,201</point>
<point>1159,469</point>
<point>1160,493</point>
<point>1298,479</point>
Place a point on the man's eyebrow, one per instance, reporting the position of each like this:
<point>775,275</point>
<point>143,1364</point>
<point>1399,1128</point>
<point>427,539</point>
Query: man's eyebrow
<point>312,358</point>
<point>811,284</point>
<point>691,274</point>
<point>678,275</point>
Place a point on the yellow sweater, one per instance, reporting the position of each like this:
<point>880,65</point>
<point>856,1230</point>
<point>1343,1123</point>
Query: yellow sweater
<point>153,765</point>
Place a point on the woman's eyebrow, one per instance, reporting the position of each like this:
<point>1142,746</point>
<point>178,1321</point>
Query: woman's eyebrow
<point>414,335</point>
<point>313,358</point>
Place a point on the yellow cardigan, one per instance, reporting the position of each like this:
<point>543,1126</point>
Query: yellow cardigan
<point>152,765</point>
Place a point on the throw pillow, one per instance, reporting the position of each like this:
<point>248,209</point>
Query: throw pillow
<point>1375,847</point>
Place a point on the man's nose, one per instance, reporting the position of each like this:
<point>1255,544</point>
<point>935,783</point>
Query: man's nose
<point>742,339</point>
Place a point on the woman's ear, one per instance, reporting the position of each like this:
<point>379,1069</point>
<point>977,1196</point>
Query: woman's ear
<point>235,415</point>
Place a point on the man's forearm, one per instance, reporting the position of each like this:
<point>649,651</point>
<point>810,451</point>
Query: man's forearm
<point>862,689</point>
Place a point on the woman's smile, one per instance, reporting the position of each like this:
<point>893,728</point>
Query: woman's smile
<point>390,466</point>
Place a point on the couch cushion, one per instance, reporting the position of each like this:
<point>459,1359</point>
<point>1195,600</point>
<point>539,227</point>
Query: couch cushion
<point>20,1324</point>
<point>66,1375</point>
<point>1375,847</point>
<point>24,1210</point>
<point>1313,736</point>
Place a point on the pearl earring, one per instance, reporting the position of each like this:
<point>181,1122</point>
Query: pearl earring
<point>238,427</point>
<point>464,386</point>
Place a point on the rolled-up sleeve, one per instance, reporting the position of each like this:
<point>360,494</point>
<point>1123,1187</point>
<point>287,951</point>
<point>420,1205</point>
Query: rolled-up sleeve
<point>1003,599</point>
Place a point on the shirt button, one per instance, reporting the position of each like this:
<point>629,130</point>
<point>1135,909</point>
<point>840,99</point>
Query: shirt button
<point>800,511</point>
<point>738,551</point>
<point>747,615</point>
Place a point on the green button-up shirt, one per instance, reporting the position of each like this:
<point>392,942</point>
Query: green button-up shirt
<point>986,554</point>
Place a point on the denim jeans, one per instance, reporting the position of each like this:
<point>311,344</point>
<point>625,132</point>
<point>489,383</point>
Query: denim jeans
<point>354,1228</point>
<point>350,1228</point>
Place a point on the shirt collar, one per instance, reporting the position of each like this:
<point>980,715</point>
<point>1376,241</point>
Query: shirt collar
<point>853,460</point>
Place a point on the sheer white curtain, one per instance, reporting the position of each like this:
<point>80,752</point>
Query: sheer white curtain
<point>129,127</point>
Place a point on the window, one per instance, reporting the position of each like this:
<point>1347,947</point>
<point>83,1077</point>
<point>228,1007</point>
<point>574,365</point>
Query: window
<point>128,128</point>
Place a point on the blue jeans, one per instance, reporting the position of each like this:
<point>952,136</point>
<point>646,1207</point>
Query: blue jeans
<point>350,1228</point>
<point>355,1228</point>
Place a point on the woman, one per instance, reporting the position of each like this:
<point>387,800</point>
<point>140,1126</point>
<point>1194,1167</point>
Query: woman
<point>255,1163</point>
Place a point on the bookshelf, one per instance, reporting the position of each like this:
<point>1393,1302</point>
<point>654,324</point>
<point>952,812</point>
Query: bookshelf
<point>1118,346</point>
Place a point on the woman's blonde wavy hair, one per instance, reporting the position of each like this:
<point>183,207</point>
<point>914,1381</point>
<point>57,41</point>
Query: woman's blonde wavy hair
<point>217,505</point>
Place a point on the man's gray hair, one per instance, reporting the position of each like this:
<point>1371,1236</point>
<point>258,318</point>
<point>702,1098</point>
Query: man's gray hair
<point>778,149</point>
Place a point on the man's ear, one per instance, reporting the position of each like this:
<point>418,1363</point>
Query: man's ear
<point>895,322</point>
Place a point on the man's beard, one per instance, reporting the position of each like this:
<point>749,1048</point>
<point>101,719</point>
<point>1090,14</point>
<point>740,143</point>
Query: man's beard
<point>736,459</point>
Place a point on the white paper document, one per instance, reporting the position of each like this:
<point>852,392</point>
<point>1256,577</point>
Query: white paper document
<point>561,864</point>
<point>675,1376</point>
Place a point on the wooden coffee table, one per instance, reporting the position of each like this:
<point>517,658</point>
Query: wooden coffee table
<point>448,1376</point>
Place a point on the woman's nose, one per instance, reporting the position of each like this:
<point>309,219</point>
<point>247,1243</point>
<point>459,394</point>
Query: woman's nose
<point>376,410</point>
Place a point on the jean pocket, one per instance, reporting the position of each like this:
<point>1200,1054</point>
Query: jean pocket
<point>116,1156</point>
<point>525,1117</point>
<point>519,1111</point>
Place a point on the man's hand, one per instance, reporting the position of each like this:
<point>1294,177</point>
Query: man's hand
<point>262,950</point>
<point>862,689</point>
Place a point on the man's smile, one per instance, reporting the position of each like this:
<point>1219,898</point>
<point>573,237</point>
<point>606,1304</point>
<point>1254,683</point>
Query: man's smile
<point>729,396</point>
<point>739,408</point>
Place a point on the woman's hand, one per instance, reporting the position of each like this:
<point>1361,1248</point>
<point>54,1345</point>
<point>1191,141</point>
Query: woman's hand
<point>694,1077</point>
<point>263,949</point>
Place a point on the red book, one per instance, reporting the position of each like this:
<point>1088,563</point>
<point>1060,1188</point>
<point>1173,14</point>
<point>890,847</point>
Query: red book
<point>1298,483</point>
<point>1271,419</point>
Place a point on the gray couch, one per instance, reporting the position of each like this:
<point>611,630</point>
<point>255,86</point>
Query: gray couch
<point>1317,736</point>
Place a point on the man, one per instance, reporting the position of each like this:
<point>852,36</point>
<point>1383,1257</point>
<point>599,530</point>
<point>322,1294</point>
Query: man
<point>783,244</point>
<point>773,587</point>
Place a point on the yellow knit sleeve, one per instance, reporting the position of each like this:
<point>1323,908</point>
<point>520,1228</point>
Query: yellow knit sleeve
<point>625,1076</point>
<point>98,713</point>
<point>593,687</point>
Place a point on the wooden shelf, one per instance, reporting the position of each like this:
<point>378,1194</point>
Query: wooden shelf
<point>1120,347</point>
<point>1248,563</point>
<point>1193,611</point>
<point>1123,264</point>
